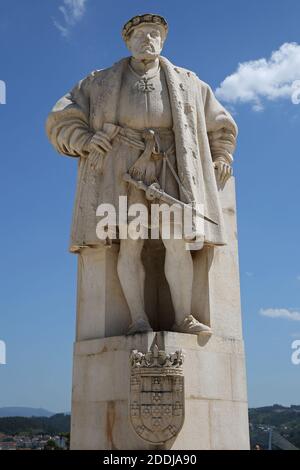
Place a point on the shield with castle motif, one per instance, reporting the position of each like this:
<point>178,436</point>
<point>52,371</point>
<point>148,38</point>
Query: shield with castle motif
<point>156,405</point>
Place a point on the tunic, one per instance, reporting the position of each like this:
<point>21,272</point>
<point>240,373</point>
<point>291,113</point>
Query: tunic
<point>145,104</point>
<point>141,109</point>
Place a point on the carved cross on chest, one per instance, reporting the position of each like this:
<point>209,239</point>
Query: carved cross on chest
<point>144,85</point>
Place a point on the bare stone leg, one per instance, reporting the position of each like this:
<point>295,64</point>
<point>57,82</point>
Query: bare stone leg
<point>179,274</point>
<point>132,278</point>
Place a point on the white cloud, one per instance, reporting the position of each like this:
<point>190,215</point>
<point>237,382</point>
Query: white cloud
<point>264,79</point>
<point>72,11</point>
<point>298,277</point>
<point>281,313</point>
<point>249,274</point>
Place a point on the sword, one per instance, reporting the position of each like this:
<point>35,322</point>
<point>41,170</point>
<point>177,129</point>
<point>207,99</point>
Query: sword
<point>154,191</point>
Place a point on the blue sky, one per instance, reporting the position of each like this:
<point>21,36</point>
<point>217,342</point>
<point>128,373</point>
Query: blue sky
<point>44,51</point>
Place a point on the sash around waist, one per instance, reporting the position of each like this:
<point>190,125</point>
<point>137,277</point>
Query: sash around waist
<point>139,137</point>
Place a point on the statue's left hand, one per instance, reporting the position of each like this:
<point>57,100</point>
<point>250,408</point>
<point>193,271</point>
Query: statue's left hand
<point>224,171</point>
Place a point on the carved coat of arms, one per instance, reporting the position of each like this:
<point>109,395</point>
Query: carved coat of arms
<point>156,394</point>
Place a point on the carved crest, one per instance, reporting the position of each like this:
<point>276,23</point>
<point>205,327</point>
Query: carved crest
<point>156,394</point>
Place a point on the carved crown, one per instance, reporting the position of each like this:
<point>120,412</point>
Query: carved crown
<point>156,358</point>
<point>146,18</point>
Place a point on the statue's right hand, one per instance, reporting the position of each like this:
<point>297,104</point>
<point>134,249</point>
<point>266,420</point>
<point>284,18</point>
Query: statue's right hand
<point>100,142</point>
<point>99,146</point>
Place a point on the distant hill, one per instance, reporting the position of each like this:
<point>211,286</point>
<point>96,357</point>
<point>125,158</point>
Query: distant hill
<point>58,423</point>
<point>24,412</point>
<point>282,420</point>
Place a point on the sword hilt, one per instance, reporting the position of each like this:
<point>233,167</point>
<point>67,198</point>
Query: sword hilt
<point>153,191</point>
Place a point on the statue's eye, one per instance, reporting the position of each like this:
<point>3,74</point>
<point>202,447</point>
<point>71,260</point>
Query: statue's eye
<point>154,34</point>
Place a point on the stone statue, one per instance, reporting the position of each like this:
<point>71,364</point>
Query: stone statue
<point>156,123</point>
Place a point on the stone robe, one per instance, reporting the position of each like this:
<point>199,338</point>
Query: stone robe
<point>204,132</point>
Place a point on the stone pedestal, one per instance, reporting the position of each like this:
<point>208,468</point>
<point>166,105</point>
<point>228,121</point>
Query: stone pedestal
<point>216,412</point>
<point>216,415</point>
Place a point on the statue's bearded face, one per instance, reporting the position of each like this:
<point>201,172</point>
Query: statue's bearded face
<point>145,42</point>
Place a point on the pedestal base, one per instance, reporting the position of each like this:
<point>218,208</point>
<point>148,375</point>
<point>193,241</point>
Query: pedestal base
<point>216,412</point>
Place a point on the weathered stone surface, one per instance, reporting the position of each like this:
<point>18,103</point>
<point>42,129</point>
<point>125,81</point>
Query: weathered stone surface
<point>229,425</point>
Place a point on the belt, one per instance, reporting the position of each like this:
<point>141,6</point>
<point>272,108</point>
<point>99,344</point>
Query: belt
<point>143,168</point>
<point>144,137</point>
<point>147,141</point>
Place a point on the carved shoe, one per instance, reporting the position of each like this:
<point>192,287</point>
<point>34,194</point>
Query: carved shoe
<point>139,326</point>
<point>192,326</point>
